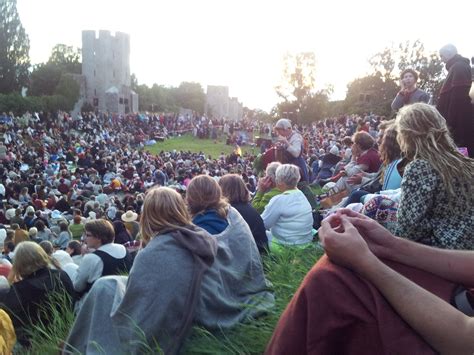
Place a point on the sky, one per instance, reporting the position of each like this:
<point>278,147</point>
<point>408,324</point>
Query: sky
<point>241,43</point>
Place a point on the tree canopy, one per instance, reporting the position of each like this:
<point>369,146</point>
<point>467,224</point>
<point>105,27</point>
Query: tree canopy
<point>14,49</point>
<point>300,101</point>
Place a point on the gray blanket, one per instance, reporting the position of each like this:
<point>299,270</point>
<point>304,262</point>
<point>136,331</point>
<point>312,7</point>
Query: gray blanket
<point>123,315</point>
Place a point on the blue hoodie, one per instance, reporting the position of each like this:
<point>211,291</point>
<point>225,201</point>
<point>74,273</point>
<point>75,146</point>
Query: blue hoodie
<point>211,222</point>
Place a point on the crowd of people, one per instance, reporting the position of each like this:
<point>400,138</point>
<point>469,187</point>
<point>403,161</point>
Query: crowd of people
<point>84,203</point>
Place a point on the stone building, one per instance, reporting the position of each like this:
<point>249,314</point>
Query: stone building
<point>106,69</point>
<point>218,103</point>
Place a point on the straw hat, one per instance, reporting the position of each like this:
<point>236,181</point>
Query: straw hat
<point>129,216</point>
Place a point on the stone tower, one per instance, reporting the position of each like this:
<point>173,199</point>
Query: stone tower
<point>106,68</point>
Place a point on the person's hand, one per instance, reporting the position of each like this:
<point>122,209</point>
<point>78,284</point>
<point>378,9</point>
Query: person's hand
<point>264,184</point>
<point>282,140</point>
<point>355,179</point>
<point>343,243</point>
<point>381,242</point>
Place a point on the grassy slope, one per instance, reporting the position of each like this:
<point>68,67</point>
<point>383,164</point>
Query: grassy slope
<point>207,146</point>
<point>285,271</point>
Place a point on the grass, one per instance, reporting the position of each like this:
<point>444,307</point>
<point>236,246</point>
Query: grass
<point>285,271</point>
<point>187,142</point>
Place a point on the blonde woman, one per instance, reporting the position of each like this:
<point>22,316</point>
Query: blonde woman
<point>32,281</point>
<point>178,280</point>
<point>437,197</point>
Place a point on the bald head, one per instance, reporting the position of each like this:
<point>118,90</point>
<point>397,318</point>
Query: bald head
<point>447,52</point>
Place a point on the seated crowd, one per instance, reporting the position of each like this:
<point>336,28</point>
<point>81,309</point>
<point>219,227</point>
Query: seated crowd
<point>182,234</point>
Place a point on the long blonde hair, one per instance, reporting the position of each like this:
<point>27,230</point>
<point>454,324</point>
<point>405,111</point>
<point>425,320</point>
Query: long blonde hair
<point>204,193</point>
<point>163,208</point>
<point>29,258</point>
<point>423,134</point>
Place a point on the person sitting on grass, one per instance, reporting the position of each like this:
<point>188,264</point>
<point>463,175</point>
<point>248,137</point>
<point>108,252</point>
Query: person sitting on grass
<point>266,188</point>
<point>237,194</point>
<point>107,258</point>
<point>32,280</point>
<point>288,216</point>
<point>374,293</point>
<point>182,277</point>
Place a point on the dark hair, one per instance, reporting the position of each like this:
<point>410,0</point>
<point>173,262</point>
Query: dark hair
<point>414,73</point>
<point>101,229</point>
<point>364,140</point>
<point>63,226</point>
<point>234,189</point>
<point>75,246</point>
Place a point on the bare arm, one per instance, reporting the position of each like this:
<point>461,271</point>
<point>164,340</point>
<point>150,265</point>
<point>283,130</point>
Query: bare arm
<point>441,325</point>
<point>452,265</point>
<point>446,329</point>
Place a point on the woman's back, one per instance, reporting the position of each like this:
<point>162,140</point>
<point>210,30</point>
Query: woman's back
<point>426,209</point>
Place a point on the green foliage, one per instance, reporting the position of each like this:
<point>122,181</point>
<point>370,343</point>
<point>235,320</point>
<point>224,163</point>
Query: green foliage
<point>191,96</point>
<point>67,58</point>
<point>46,77</point>
<point>69,89</point>
<point>300,101</point>
<point>410,55</point>
<point>161,98</point>
<point>14,49</point>
<point>370,94</point>
<point>158,98</point>
<point>18,104</point>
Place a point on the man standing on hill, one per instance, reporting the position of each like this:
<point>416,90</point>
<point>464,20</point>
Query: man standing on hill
<point>454,102</point>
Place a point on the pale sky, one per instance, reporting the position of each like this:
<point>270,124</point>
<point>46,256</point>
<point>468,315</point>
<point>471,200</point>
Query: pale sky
<point>241,43</point>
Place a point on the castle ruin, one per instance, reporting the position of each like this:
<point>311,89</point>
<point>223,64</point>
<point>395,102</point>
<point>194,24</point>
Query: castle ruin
<point>106,69</point>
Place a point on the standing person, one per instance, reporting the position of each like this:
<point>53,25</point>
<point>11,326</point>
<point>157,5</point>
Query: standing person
<point>293,143</point>
<point>454,102</point>
<point>409,93</point>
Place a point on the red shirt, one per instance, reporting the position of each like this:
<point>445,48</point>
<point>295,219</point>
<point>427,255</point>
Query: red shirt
<point>371,159</point>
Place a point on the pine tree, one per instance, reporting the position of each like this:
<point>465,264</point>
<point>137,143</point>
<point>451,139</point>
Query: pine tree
<point>14,49</point>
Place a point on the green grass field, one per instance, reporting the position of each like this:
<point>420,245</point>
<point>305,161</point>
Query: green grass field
<point>207,146</point>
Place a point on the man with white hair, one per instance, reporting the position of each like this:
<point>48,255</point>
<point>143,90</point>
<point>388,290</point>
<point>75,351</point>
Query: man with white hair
<point>454,102</point>
<point>293,143</point>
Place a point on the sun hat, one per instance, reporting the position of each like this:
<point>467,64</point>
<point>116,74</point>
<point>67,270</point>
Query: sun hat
<point>129,216</point>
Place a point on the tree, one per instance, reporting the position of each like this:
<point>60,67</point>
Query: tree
<point>300,100</point>
<point>370,94</point>
<point>46,76</point>
<point>134,82</point>
<point>14,49</point>
<point>298,80</point>
<point>67,58</point>
<point>69,89</point>
<point>191,96</point>
<point>428,65</point>
<point>410,55</point>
